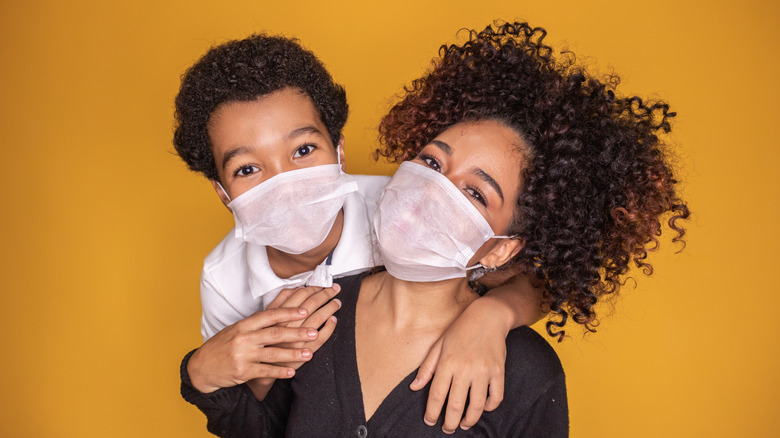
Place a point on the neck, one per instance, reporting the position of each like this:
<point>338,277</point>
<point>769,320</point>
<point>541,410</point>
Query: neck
<point>286,265</point>
<point>430,305</point>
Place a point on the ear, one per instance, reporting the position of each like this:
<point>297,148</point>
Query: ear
<point>220,192</point>
<point>502,253</point>
<point>342,155</point>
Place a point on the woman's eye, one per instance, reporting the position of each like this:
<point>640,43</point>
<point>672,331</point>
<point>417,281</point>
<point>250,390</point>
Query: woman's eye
<point>477,195</point>
<point>431,162</point>
<point>304,150</point>
<point>246,170</point>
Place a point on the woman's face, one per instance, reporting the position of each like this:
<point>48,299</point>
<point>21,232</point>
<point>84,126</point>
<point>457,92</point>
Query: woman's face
<point>484,160</point>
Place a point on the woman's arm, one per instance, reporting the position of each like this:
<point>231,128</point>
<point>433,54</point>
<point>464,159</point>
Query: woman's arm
<point>468,360</point>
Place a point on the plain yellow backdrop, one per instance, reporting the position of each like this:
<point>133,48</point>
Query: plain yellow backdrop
<point>104,230</point>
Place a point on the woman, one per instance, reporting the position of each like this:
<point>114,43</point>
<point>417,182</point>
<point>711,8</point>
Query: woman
<point>517,160</point>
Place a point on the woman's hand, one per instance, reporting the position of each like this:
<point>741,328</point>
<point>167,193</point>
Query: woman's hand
<point>246,350</point>
<point>467,361</point>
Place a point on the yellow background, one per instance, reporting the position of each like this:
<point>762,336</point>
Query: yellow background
<point>104,230</point>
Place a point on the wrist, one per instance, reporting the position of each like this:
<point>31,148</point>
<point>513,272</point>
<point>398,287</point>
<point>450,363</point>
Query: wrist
<point>494,313</point>
<point>197,380</point>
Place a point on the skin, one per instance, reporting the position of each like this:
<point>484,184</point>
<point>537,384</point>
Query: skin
<point>253,141</point>
<point>397,322</point>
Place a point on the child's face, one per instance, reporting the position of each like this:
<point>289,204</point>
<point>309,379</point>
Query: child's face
<point>255,140</point>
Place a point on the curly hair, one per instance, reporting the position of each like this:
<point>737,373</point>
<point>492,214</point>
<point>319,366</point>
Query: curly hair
<point>243,70</point>
<point>598,181</point>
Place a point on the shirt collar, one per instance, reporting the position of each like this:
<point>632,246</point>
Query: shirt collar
<point>354,253</point>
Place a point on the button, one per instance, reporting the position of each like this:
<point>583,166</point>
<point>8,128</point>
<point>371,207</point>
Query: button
<point>362,432</point>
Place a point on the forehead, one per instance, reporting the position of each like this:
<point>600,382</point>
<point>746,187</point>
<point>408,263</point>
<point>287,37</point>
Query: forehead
<point>278,110</point>
<point>489,145</point>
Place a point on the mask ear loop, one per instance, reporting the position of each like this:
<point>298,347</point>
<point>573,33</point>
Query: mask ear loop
<point>224,191</point>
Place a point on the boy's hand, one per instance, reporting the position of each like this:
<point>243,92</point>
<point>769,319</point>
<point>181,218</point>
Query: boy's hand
<point>467,361</point>
<point>245,351</point>
<point>319,304</point>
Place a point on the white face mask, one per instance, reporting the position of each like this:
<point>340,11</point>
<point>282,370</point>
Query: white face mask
<point>293,211</point>
<point>426,228</point>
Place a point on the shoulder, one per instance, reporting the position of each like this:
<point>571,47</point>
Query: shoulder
<point>225,252</point>
<point>530,357</point>
<point>533,369</point>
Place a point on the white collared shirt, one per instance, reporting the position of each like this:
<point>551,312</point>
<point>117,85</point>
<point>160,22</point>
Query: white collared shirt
<point>237,279</point>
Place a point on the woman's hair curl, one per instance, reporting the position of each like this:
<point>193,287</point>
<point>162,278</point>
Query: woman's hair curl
<point>598,180</point>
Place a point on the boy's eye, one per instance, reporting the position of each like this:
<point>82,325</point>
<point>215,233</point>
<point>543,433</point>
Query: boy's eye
<point>246,170</point>
<point>304,150</point>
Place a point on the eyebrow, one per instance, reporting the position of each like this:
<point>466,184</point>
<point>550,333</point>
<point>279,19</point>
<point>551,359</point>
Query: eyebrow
<point>443,146</point>
<point>308,129</point>
<point>489,179</point>
<point>229,155</point>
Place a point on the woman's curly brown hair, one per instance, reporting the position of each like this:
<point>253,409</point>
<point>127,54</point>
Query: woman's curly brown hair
<point>243,70</point>
<point>598,181</point>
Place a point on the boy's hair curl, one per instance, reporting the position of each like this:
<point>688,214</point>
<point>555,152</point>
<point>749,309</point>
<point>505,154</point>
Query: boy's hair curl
<point>243,70</point>
<point>598,179</point>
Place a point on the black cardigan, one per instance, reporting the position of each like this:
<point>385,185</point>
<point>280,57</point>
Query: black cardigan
<point>325,399</point>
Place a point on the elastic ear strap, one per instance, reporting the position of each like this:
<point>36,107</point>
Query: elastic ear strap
<point>224,191</point>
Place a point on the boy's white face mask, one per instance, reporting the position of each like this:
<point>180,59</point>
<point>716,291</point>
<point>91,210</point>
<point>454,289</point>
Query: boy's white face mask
<point>426,228</point>
<point>293,211</point>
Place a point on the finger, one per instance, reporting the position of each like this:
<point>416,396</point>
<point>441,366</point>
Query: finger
<point>277,335</point>
<point>456,403</point>
<point>322,315</point>
<point>319,298</point>
<point>266,318</point>
<point>477,396</point>
<point>281,298</point>
<point>325,333</point>
<point>440,386</point>
<point>276,355</point>
<point>426,370</point>
<point>262,370</point>
<point>495,392</point>
<point>300,295</point>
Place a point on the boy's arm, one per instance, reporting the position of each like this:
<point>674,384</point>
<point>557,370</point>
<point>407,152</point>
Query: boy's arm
<point>246,350</point>
<point>470,356</point>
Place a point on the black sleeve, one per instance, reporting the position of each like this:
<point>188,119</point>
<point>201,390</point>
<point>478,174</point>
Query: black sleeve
<point>548,416</point>
<point>235,412</point>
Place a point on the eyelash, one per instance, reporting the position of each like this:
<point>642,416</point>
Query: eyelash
<point>426,157</point>
<point>308,145</point>
<point>472,191</point>
<point>238,173</point>
<point>477,195</point>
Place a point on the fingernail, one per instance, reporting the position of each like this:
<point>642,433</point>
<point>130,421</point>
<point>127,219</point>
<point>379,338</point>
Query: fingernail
<point>448,432</point>
<point>302,311</point>
<point>338,301</point>
<point>312,333</point>
<point>306,354</point>
<point>428,422</point>
<point>415,381</point>
<point>336,287</point>
<point>333,318</point>
<point>465,427</point>
<point>290,373</point>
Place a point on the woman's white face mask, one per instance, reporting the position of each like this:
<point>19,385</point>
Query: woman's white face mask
<point>426,228</point>
<point>293,211</point>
